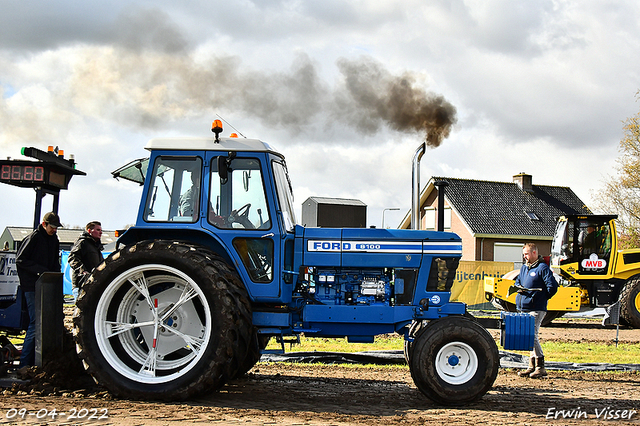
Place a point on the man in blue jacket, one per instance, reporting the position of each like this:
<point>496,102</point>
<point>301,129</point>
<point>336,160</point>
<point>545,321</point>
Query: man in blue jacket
<point>38,253</point>
<point>535,275</point>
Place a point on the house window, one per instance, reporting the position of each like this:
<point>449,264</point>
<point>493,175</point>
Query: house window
<point>508,252</point>
<point>431,218</point>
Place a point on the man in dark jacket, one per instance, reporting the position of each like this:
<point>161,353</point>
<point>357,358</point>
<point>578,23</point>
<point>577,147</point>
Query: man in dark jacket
<point>38,253</point>
<point>85,255</point>
<point>535,275</point>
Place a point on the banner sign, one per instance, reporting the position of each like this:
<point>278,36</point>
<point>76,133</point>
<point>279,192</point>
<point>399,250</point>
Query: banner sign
<point>468,287</point>
<point>8,276</point>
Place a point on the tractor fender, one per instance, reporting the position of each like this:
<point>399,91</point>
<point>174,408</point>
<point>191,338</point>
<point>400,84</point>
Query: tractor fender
<point>190,235</point>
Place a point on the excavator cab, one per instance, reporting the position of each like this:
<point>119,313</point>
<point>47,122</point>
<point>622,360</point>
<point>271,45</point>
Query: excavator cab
<point>583,244</point>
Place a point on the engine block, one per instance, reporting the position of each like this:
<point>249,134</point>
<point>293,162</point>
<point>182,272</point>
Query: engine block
<point>348,286</point>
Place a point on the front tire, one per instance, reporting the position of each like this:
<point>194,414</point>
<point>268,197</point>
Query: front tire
<point>162,320</point>
<point>630,302</point>
<point>454,361</point>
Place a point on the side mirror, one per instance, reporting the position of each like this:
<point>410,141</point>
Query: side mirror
<point>223,170</point>
<point>246,175</point>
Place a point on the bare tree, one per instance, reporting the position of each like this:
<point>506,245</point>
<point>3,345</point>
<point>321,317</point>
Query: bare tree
<point>622,191</point>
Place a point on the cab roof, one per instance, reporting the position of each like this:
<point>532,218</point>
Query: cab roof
<point>588,216</point>
<point>208,144</point>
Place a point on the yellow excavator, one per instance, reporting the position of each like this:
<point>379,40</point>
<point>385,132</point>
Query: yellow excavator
<point>591,271</point>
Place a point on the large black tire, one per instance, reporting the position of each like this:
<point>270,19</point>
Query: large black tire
<point>162,320</point>
<point>630,302</point>
<point>454,360</point>
<point>256,345</point>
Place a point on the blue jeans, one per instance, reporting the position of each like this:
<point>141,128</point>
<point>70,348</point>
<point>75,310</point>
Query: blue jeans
<point>28,356</point>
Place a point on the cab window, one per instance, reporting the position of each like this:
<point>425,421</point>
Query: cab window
<point>285,194</point>
<point>594,238</point>
<point>237,197</point>
<point>174,191</point>
<point>257,257</point>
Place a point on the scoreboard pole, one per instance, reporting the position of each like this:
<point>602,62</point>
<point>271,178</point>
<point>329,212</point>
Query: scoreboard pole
<point>40,193</point>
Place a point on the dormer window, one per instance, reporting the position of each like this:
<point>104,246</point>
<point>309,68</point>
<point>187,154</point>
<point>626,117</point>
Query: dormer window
<point>532,215</point>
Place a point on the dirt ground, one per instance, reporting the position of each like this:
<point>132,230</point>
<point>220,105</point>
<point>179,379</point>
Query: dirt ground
<point>301,394</point>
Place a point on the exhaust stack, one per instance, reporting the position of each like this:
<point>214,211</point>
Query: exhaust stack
<point>415,187</point>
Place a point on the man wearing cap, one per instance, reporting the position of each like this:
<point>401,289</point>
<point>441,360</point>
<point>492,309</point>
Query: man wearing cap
<point>38,253</point>
<point>85,255</point>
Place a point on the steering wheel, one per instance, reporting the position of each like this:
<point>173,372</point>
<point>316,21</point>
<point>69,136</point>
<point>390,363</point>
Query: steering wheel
<point>241,216</point>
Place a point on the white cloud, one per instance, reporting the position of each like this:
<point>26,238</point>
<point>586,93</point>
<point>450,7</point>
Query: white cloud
<point>540,87</point>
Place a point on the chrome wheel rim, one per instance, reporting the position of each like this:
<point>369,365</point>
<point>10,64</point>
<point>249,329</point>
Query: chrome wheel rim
<point>153,323</point>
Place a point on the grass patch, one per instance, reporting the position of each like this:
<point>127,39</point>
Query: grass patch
<point>385,342</point>
<point>578,352</point>
<point>591,352</point>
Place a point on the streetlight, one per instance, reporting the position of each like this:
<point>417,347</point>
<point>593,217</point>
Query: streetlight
<point>390,208</point>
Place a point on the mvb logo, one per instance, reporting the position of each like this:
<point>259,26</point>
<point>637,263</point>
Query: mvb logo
<point>593,262</point>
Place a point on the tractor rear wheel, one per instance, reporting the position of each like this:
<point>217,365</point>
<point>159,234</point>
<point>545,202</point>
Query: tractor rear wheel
<point>162,320</point>
<point>256,345</point>
<point>454,360</point>
<point>630,302</point>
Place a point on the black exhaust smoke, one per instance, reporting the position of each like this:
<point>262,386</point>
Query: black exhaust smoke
<point>376,97</point>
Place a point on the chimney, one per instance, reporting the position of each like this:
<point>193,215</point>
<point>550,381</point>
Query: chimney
<point>523,181</point>
<point>440,185</point>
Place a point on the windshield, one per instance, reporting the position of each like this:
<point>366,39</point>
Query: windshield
<point>285,195</point>
<point>238,201</point>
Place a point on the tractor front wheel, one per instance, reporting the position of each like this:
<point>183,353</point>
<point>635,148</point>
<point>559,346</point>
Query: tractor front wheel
<point>454,360</point>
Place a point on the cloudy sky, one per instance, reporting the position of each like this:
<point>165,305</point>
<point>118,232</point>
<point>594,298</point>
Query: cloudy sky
<point>540,87</point>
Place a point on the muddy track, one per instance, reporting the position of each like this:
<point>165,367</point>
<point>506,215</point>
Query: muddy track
<point>338,395</point>
<point>304,394</point>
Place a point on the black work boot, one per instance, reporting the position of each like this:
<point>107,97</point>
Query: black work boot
<point>540,370</point>
<point>532,367</point>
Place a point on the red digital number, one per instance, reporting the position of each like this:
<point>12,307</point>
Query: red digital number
<point>28,173</point>
<point>16,172</point>
<point>38,174</point>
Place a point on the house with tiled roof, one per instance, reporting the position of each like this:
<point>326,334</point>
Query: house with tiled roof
<point>494,219</point>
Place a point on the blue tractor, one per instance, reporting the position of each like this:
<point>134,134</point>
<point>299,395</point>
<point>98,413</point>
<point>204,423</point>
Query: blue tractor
<point>216,266</point>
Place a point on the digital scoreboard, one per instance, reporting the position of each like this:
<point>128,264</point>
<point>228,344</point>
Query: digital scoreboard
<point>29,174</point>
<point>51,172</point>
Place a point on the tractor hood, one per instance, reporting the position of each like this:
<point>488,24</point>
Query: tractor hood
<point>372,247</point>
